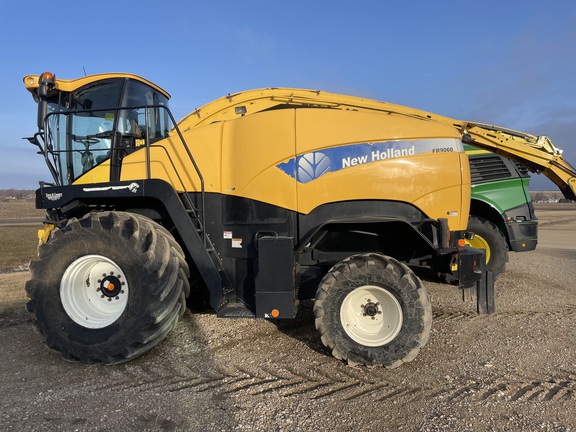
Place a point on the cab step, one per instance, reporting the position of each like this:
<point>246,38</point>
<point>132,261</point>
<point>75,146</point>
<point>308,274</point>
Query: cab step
<point>235,310</point>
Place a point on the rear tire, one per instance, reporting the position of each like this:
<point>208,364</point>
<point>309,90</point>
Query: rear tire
<point>372,310</point>
<point>107,287</point>
<point>487,236</point>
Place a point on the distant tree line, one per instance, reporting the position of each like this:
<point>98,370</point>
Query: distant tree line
<point>549,196</point>
<point>16,193</point>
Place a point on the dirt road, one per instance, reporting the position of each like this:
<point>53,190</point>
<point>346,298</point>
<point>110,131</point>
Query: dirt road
<point>513,370</point>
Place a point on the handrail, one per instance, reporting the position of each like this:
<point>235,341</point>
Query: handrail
<point>48,149</point>
<point>196,168</point>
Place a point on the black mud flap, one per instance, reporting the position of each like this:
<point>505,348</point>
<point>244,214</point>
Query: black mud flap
<point>482,293</point>
<point>476,282</point>
<point>485,293</point>
<point>275,281</point>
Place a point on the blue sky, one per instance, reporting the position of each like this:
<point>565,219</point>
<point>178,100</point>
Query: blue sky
<point>510,63</point>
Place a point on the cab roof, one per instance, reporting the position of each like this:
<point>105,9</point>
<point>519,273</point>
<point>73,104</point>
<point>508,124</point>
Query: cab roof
<point>69,85</point>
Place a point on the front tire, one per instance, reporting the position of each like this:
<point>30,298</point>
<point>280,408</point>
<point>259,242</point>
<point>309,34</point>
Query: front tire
<point>372,310</point>
<point>107,287</point>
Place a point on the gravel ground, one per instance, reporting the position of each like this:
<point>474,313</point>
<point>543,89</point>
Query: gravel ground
<point>512,370</point>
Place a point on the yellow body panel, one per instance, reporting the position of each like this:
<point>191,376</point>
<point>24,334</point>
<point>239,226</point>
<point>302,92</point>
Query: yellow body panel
<point>441,202</point>
<point>319,128</point>
<point>371,156</point>
<point>252,147</point>
<point>169,157</point>
<point>538,153</point>
<point>98,174</point>
<point>435,190</point>
<point>431,181</point>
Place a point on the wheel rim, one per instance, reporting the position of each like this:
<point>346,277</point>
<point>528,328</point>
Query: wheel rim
<point>479,242</point>
<point>371,315</point>
<point>94,291</point>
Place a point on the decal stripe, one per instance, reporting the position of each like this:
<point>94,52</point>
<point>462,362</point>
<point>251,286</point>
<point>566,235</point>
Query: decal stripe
<point>310,166</point>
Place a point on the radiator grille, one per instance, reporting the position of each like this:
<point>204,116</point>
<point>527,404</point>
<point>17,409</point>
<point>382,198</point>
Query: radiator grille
<point>488,168</point>
<point>522,169</point>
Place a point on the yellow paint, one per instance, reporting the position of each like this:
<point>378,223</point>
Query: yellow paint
<point>31,82</point>
<point>251,149</point>
<point>431,181</point>
<point>170,160</point>
<point>240,157</point>
<point>44,234</point>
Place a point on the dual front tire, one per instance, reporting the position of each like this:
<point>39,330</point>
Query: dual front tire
<point>107,287</point>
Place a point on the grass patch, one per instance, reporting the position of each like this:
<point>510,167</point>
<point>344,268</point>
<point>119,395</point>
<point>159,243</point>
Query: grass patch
<point>19,245</point>
<point>15,209</point>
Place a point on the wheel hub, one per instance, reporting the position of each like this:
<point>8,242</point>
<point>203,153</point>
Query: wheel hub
<point>371,309</point>
<point>110,286</point>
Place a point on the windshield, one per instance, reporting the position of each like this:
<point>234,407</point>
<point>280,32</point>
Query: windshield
<point>87,127</point>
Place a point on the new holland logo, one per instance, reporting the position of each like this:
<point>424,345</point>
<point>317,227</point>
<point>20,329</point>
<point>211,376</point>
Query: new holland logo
<point>313,165</point>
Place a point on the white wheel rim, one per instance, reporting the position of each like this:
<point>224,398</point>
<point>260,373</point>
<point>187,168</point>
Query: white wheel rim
<point>94,291</point>
<point>371,316</point>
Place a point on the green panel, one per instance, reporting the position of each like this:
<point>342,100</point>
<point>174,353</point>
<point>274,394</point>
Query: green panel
<point>502,194</point>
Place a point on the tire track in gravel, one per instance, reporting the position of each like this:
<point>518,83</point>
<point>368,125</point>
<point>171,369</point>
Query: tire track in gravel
<point>568,312</point>
<point>324,378</point>
<point>334,381</point>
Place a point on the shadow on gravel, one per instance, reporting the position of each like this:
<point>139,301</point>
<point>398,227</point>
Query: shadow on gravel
<point>302,328</point>
<point>13,313</point>
<point>427,274</point>
<point>176,386</point>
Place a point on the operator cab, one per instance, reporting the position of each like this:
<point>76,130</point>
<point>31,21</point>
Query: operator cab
<point>95,120</point>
